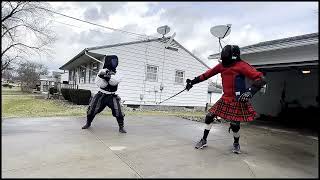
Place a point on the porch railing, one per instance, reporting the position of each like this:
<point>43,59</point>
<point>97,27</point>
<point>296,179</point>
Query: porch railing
<point>69,86</point>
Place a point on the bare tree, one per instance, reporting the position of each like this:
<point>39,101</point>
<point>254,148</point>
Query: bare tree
<point>29,74</point>
<point>7,74</point>
<point>25,31</point>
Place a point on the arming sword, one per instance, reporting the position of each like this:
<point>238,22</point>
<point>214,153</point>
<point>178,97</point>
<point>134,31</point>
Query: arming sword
<point>173,96</point>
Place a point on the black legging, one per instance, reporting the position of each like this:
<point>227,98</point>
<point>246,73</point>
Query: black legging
<point>100,101</point>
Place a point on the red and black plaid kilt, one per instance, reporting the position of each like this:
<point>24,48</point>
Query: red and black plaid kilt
<point>234,111</point>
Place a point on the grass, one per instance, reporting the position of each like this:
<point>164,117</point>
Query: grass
<point>12,91</point>
<point>18,104</point>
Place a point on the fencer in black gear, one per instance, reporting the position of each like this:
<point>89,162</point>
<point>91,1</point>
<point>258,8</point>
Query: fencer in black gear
<point>107,80</point>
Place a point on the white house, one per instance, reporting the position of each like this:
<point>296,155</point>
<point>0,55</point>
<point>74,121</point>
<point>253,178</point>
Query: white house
<point>291,68</point>
<point>214,94</point>
<point>150,72</point>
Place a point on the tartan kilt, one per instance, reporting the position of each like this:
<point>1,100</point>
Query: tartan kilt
<point>234,111</point>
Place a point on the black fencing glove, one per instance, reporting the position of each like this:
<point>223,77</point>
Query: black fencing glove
<point>255,87</point>
<point>245,97</point>
<point>190,83</point>
<point>105,74</point>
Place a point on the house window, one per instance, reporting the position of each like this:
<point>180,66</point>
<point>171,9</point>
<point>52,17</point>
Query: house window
<point>82,78</point>
<point>179,77</point>
<point>152,73</point>
<point>94,68</point>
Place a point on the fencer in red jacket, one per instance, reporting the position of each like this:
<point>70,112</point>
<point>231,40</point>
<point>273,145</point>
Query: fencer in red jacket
<point>234,104</point>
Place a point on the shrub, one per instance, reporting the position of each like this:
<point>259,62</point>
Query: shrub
<point>66,93</point>
<point>7,85</point>
<point>80,96</point>
<point>53,90</point>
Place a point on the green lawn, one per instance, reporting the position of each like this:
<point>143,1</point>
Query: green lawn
<point>17,104</point>
<point>12,91</point>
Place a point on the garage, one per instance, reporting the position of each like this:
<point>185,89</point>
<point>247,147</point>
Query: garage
<point>291,66</point>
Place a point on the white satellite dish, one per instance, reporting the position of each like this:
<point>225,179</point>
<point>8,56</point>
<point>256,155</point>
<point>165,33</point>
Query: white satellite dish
<point>221,31</point>
<point>170,40</point>
<point>163,30</point>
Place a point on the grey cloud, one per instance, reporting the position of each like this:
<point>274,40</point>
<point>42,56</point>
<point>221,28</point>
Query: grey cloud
<point>92,13</point>
<point>93,38</point>
<point>194,23</point>
<point>101,10</point>
<point>62,9</point>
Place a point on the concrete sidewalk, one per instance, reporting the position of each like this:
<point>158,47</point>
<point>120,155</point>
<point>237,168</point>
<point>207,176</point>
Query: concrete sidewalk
<point>154,147</point>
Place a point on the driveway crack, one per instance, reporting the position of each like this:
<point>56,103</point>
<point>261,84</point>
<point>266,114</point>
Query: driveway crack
<point>117,155</point>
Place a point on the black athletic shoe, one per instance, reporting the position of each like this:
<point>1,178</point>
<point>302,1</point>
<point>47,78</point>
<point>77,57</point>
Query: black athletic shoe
<point>202,143</point>
<point>122,130</point>
<point>86,126</point>
<point>236,148</point>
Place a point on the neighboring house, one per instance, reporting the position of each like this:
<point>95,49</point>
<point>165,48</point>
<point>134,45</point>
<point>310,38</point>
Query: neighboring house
<point>47,81</point>
<point>214,94</point>
<point>150,72</point>
<point>291,68</point>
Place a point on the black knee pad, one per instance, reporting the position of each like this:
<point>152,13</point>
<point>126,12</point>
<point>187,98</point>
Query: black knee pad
<point>209,118</point>
<point>235,126</point>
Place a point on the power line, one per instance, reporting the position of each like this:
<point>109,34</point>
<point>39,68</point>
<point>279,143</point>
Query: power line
<point>133,38</point>
<point>62,22</point>
<point>96,30</point>
<point>135,51</point>
<point>97,24</point>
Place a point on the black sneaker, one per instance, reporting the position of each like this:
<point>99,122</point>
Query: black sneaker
<point>122,130</point>
<point>202,143</point>
<point>86,126</point>
<point>236,148</point>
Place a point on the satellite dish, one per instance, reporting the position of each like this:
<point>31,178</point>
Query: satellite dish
<point>221,31</point>
<point>163,30</point>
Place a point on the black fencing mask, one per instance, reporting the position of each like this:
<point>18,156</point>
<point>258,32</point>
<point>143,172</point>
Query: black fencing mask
<point>110,62</point>
<point>230,54</point>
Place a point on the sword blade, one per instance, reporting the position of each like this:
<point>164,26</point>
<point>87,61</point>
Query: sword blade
<point>172,96</point>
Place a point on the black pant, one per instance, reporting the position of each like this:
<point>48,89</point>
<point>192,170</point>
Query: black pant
<point>100,101</point>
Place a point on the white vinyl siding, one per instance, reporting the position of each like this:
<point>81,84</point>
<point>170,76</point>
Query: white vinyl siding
<point>152,73</point>
<point>133,62</point>
<point>296,54</point>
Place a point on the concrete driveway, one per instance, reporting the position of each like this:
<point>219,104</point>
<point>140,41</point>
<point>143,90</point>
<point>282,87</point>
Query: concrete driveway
<point>154,147</point>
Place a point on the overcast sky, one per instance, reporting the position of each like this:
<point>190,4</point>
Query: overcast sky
<point>252,22</point>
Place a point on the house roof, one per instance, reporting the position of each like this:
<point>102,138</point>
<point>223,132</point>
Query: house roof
<point>163,40</point>
<point>47,78</point>
<point>302,40</point>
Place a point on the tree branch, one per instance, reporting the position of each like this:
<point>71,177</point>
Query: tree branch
<point>7,63</point>
<point>11,13</point>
